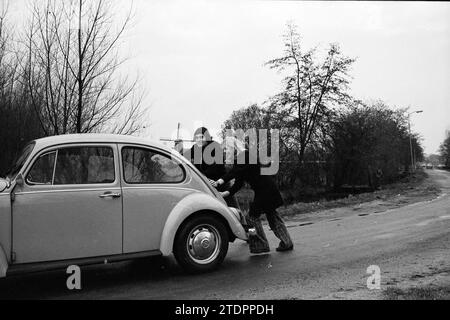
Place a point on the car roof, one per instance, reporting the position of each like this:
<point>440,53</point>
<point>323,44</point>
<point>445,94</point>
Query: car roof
<point>96,138</point>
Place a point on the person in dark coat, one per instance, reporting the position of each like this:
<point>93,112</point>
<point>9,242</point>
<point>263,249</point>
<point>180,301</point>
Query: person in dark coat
<point>203,154</point>
<point>267,198</point>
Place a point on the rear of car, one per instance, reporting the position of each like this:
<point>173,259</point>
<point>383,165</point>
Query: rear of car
<point>101,197</point>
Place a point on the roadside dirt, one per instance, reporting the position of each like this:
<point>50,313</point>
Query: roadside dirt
<point>419,276</point>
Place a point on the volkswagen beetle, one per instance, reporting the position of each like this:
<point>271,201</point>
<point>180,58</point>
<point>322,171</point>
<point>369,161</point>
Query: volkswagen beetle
<point>89,198</point>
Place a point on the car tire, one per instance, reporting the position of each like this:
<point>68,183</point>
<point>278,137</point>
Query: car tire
<point>201,244</point>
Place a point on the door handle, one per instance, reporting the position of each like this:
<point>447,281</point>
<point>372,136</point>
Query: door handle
<point>110,195</point>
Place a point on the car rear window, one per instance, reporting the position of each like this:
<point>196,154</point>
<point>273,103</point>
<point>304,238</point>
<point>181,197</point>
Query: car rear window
<point>148,166</point>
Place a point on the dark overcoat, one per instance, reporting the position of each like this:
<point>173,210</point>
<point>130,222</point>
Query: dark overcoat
<point>267,196</point>
<point>196,155</point>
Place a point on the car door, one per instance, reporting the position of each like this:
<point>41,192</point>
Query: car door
<point>153,184</point>
<point>69,205</point>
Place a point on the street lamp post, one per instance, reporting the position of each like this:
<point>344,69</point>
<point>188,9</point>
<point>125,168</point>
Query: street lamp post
<point>413,165</point>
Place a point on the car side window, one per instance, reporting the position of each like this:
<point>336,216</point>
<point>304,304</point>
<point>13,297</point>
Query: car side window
<point>147,166</point>
<point>84,165</point>
<point>42,170</point>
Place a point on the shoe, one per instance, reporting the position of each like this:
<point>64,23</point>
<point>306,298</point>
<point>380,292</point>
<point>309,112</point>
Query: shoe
<point>282,248</point>
<point>260,251</point>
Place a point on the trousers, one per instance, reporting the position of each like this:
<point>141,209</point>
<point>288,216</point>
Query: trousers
<point>259,243</point>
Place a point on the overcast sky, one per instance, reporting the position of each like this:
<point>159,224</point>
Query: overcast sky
<point>200,60</point>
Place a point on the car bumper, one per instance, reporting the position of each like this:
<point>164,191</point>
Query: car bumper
<point>243,224</point>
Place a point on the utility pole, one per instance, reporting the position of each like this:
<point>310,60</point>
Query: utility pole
<point>413,165</point>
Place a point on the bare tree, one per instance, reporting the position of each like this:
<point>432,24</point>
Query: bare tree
<point>73,68</point>
<point>311,89</point>
<point>7,72</point>
<point>18,123</point>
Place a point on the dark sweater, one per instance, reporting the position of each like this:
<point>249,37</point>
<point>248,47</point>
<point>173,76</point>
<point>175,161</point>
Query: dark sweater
<point>213,170</point>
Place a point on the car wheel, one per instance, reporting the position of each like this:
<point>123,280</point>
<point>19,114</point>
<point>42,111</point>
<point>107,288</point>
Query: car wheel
<point>201,244</point>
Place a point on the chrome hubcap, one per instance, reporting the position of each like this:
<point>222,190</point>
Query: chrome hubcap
<point>203,244</point>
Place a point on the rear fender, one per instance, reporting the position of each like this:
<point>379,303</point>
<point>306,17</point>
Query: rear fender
<point>192,204</point>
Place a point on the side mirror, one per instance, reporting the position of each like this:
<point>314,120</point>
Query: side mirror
<point>19,180</point>
<point>3,185</point>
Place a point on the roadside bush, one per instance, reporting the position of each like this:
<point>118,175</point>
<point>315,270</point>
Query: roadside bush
<point>371,145</point>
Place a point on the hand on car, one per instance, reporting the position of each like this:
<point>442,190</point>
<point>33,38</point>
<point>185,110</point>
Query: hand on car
<point>225,193</point>
<point>217,183</point>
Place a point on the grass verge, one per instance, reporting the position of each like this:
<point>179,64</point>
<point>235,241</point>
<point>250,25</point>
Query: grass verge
<point>413,188</point>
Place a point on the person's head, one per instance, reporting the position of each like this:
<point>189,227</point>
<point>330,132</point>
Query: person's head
<point>201,136</point>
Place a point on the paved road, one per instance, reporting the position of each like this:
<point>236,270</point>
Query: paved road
<point>330,260</point>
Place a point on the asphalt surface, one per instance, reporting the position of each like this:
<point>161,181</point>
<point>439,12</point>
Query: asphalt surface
<point>409,244</point>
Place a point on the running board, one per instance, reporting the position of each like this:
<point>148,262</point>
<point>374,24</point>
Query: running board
<point>62,264</point>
